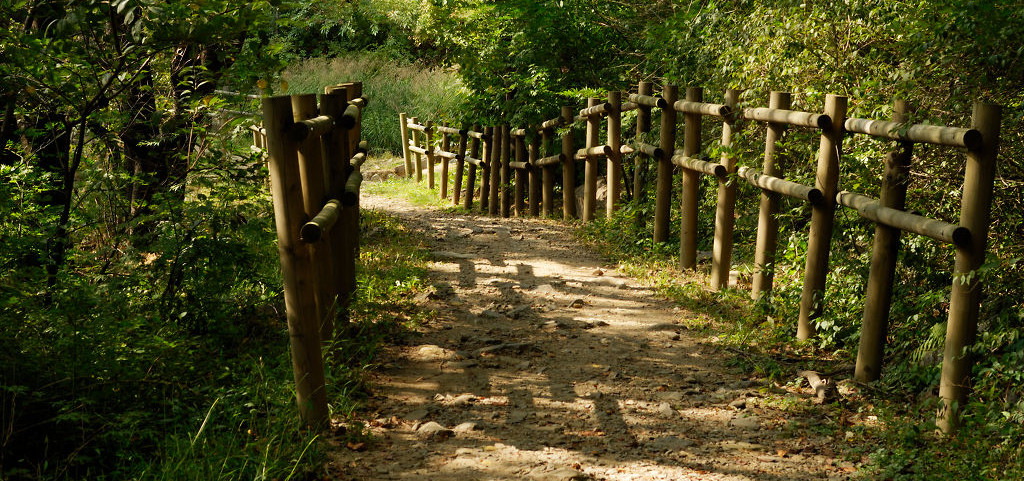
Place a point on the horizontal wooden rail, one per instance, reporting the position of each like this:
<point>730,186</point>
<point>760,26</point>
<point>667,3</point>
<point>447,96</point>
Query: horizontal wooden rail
<point>444,129</point>
<point>357,160</point>
<point>420,127</point>
<point>596,151</point>
<point>552,123</point>
<point>420,150</point>
<point>648,101</point>
<point>929,134</point>
<point>627,106</point>
<point>360,102</point>
<point>478,135</point>
<point>351,195</point>
<point>599,109</point>
<point>702,108</point>
<point>648,149</point>
<point>519,165</point>
<point>518,132</point>
<point>789,117</point>
<point>446,154</point>
<point>475,161</point>
<point>301,130</point>
<point>870,209</point>
<point>363,146</point>
<point>703,166</point>
<point>314,230</point>
<point>349,117</point>
<point>551,160</point>
<point>782,186</point>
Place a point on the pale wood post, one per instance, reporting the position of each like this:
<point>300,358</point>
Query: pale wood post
<point>474,152</point>
<point>296,268</point>
<point>691,184</point>
<point>403,121</point>
<point>547,177</point>
<point>614,162</point>
<point>569,167</point>
<point>518,200</point>
<point>506,177</point>
<point>767,220</point>
<point>460,168</point>
<point>965,298</point>
<point>534,172</point>
<point>643,126</point>
<point>590,168</point>
<point>725,214</point>
<point>419,157</point>
<point>878,297</point>
<point>667,143</point>
<point>428,135</point>
<point>446,145</point>
<point>822,218</point>
<point>489,190</point>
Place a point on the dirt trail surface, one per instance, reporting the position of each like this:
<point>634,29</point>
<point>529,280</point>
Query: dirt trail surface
<point>544,363</point>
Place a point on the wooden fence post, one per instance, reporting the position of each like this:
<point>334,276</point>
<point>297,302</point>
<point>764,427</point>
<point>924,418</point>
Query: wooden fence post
<point>474,152</point>
<point>497,139</point>
<point>691,184</point>
<point>767,222</point>
<point>643,126</point>
<point>547,177</point>
<point>335,143</point>
<point>314,196</point>
<point>446,145</point>
<point>878,297</point>
<point>419,157</point>
<point>489,184</point>
<point>296,268</point>
<point>614,163</point>
<point>428,135</point>
<point>725,214</point>
<point>590,168</point>
<point>518,201</point>
<point>667,143</point>
<point>534,156</point>
<point>822,217</point>
<point>348,219</point>
<point>403,123</point>
<point>568,167</point>
<point>460,168</point>
<point>506,177</point>
<point>975,209</point>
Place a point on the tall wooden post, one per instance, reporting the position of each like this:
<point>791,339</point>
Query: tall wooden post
<point>460,168</point>
<point>725,214</point>
<point>878,297</point>
<point>975,209</point>
<point>569,167</point>
<point>428,144</point>
<point>521,177</point>
<point>643,126</point>
<point>767,221</point>
<point>419,157</point>
<point>614,163</point>
<point>590,169</point>
<point>335,143</point>
<point>314,196</point>
<point>446,145</point>
<point>534,197</point>
<point>506,177</point>
<point>347,226</point>
<point>474,152</point>
<point>488,186</point>
<point>667,143</point>
<point>403,124</point>
<point>547,177</point>
<point>822,218</point>
<point>691,185</point>
<point>296,268</point>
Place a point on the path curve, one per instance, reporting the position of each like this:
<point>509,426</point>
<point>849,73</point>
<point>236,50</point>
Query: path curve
<point>545,363</point>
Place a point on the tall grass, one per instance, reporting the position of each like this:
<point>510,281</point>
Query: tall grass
<point>392,86</point>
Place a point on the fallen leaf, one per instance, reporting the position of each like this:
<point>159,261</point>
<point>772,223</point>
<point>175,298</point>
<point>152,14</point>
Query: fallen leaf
<point>356,446</point>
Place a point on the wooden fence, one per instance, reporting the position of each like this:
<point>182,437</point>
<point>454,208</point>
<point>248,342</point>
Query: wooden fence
<point>499,149</point>
<point>315,155</point>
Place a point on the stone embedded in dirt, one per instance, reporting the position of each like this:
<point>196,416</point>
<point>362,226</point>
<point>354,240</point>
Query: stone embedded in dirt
<point>545,289</point>
<point>489,314</point>
<point>563,474</point>
<point>598,272</point>
<point>518,312</point>
<point>665,409</point>
<point>739,404</point>
<point>668,443</point>
<point>749,423</point>
<point>577,304</point>
<point>416,414</point>
<point>434,431</point>
<point>431,353</point>
<point>466,427</point>
<point>463,400</point>
<point>518,416</point>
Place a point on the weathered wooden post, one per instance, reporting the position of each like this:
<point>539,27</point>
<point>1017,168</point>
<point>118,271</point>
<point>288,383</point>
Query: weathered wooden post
<point>506,172</point>
<point>667,143</point>
<point>725,214</point>
<point>314,196</point>
<point>767,220</point>
<point>534,171</point>
<point>590,168</point>
<point>822,217</point>
<point>474,152</point>
<point>428,142</point>
<point>614,163</point>
<point>335,144</point>
<point>975,209</point>
<point>446,145</point>
<point>497,140</point>
<point>568,167</point>
<point>403,121</point>
<point>419,157</point>
<point>348,220</point>
<point>547,177</point>
<point>460,168</point>
<point>296,264</point>
<point>878,297</point>
<point>521,174</point>
<point>643,126</point>
<point>691,184</point>
<point>489,189</point>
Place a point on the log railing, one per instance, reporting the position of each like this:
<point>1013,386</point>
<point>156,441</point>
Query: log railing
<point>528,151</point>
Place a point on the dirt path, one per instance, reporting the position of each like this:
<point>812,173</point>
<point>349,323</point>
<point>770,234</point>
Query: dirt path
<point>544,363</point>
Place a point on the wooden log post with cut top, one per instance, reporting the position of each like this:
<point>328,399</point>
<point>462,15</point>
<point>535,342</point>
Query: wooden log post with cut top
<point>460,168</point>
<point>494,192</point>
<point>446,145</point>
<point>878,297</point>
<point>415,141</point>
<point>428,143</point>
<point>822,218</point>
<point>725,214</point>
<point>691,184</point>
<point>314,196</point>
<point>767,219</point>
<point>534,172</point>
<point>547,176</point>
<point>489,189</point>
<point>403,121</point>
<point>590,168</point>
<point>348,221</point>
<point>643,126</point>
<point>296,264</point>
<point>667,143</point>
<point>335,143</point>
<point>569,167</point>
<point>474,152</point>
<point>614,161</point>
<point>965,297</point>
<point>505,179</point>
<point>521,175</point>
